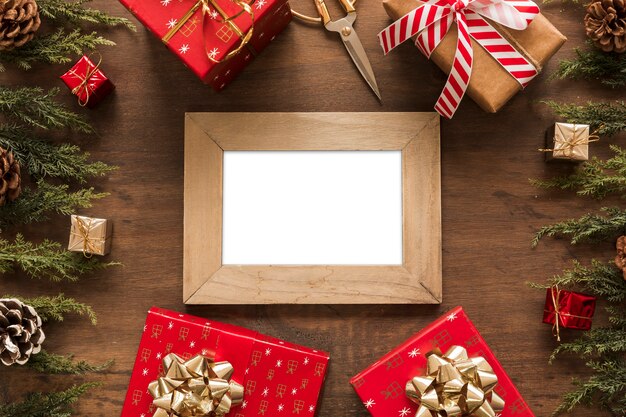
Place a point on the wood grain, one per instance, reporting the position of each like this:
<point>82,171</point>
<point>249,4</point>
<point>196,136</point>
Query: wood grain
<point>490,210</point>
<point>204,162</point>
<point>416,135</point>
<point>312,131</point>
<point>421,208</point>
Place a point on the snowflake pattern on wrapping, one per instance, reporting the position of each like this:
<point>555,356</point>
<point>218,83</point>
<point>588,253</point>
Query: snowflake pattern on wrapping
<point>284,393</point>
<point>193,38</point>
<point>214,53</point>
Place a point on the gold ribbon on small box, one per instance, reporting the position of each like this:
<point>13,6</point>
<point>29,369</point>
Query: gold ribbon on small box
<point>566,144</point>
<point>198,387</point>
<point>206,13</point>
<point>455,386</point>
<point>83,86</point>
<point>87,236</point>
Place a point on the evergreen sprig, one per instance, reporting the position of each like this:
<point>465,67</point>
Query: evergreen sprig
<point>600,279</point>
<point>55,48</point>
<point>56,404</point>
<point>603,347</point>
<point>590,227</point>
<point>55,308</point>
<point>597,341</point>
<point>594,64</point>
<point>46,260</point>
<point>604,118</point>
<point>75,12</point>
<point>43,159</point>
<point>34,205</point>
<point>35,107</point>
<point>51,363</point>
<point>595,178</point>
<point>606,388</point>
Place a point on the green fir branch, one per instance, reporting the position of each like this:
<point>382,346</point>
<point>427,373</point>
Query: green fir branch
<point>604,118</point>
<point>600,279</point>
<point>594,64</point>
<point>595,178</point>
<point>55,48</point>
<point>617,316</point>
<point>55,308</point>
<point>598,341</point>
<point>606,388</point>
<point>43,159</point>
<point>35,107</point>
<point>46,260</point>
<point>34,205</point>
<point>56,404</point>
<point>590,227</point>
<point>50,363</point>
<point>75,12</point>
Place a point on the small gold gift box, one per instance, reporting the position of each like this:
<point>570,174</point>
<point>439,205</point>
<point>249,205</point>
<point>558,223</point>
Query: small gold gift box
<point>90,236</point>
<point>569,141</point>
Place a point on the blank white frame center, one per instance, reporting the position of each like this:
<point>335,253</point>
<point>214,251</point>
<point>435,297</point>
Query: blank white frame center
<point>312,208</point>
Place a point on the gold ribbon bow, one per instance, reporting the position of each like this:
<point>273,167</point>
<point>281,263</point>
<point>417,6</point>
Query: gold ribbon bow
<point>556,301</point>
<point>206,12</point>
<point>455,385</point>
<point>82,230</point>
<point>570,143</point>
<point>198,387</point>
<point>83,86</point>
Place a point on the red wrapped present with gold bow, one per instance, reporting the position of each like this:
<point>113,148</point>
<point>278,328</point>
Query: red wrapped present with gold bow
<point>445,370</point>
<point>190,366</point>
<point>88,82</point>
<point>568,309</point>
<point>216,39</point>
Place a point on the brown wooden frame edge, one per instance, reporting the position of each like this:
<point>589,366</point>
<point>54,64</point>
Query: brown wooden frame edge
<point>417,281</point>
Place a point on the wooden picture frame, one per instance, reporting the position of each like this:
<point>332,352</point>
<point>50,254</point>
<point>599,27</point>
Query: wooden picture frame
<point>417,281</point>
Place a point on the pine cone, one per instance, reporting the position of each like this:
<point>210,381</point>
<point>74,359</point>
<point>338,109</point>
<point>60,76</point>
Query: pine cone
<point>19,20</point>
<point>605,24</point>
<point>10,178</point>
<point>620,258</point>
<point>20,332</point>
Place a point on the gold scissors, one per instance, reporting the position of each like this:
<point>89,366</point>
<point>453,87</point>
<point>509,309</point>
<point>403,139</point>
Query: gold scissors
<point>344,27</point>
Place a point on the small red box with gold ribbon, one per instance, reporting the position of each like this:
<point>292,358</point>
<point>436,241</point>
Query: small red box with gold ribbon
<point>88,82</point>
<point>190,366</point>
<point>568,309</point>
<point>445,370</point>
<point>216,39</point>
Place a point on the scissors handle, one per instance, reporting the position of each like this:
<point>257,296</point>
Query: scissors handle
<point>348,6</point>
<point>323,11</point>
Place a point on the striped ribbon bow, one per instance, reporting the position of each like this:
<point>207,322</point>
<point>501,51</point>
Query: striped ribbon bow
<point>431,22</point>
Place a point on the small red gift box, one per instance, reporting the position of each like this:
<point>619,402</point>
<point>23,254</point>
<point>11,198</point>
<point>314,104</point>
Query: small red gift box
<point>382,385</point>
<point>277,376</point>
<point>196,31</point>
<point>568,309</point>
<point>87,82</point>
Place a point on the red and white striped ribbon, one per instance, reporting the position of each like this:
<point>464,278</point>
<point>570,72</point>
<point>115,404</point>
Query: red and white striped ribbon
<point>431,22</point>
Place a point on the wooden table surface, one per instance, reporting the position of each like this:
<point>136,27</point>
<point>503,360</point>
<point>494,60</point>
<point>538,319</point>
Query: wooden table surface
<point>489,209</point>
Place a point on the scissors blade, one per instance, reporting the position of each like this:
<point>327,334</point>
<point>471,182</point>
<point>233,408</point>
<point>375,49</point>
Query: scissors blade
<point>357,53</point>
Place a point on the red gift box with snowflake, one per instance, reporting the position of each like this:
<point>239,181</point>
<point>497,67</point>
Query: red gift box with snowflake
<point>382,387</point>
<point>278,378</point>
<point>216,39</point>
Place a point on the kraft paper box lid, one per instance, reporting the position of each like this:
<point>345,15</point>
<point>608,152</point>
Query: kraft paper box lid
<point>491,86</point>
